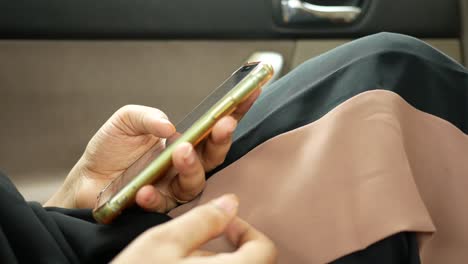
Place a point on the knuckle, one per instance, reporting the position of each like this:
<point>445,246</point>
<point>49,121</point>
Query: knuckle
<point>186,191</point>
<point>213,217</point>
<point>163,235</point>
<point>214,160</point>
<point>126,109</point>
<point>132,108</point>
<point>219,159</point>
<point>155,234</point>
<point>199,187</point>
<point>155,112</point>
<point>270,251</point>
<point>124,114</point>
<point>162,238</point>
<point>161,113</point>
<point>189,194</point>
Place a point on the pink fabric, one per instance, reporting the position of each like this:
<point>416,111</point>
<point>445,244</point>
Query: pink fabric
<point>372,167</point>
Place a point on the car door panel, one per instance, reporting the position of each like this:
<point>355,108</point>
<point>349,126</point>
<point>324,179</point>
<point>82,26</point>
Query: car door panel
<point>66,66</point>
<point>306,49</point>
<point>216,19</point>
<point>55,94</point>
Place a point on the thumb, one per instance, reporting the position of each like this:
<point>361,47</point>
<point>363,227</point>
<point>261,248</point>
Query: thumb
<point>193,229</point>
<point>136,120</point>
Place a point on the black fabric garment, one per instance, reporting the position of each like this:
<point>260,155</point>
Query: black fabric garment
<point>427,79</point>
<point>400,248</point>
<point>33,234</point>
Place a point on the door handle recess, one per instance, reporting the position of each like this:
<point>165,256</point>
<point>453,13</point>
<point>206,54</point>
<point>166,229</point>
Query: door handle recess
<point>300,11</point>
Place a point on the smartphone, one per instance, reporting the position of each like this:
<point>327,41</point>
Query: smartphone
<point>196,126</point>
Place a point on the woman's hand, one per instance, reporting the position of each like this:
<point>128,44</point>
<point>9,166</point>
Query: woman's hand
<point>178,240</point>
<point>132,138</point>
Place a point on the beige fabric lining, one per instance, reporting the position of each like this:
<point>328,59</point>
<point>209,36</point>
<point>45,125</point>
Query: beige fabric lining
<point>54,95</point>
<point>372,167</point>
<point>306,49</point>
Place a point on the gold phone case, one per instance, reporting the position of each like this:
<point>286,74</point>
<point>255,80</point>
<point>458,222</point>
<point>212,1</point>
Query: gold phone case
<point>110,206</point>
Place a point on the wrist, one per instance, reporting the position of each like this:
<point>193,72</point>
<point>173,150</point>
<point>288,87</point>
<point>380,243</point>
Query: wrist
<point>65,196</point>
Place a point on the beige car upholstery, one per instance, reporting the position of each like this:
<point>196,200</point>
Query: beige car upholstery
<point>305,49</point>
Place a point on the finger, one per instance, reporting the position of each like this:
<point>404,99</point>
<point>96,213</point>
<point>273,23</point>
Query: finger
<point>191,230</point>
<point>139,120</point>
<point>254,247</point>
<point>191,178</point>
<point>173,138</point>
<point>239,232</point>
<point>245,106</point>
<point>150,199</point>
<point>218,143</point>
<point>202,253</point>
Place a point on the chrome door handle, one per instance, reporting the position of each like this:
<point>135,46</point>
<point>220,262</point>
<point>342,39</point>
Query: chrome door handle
<point>300,11</point>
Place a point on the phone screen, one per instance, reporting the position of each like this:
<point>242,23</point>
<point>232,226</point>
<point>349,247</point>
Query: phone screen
<point>117,184</point>
<point>216,95</point>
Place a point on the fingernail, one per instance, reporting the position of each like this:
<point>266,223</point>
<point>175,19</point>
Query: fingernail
<point>232,126</point>
<point>229,130</point>
<point>227,203</point>
<point>167,123</point>
<point>151,199</point>
<point>189,156</point>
